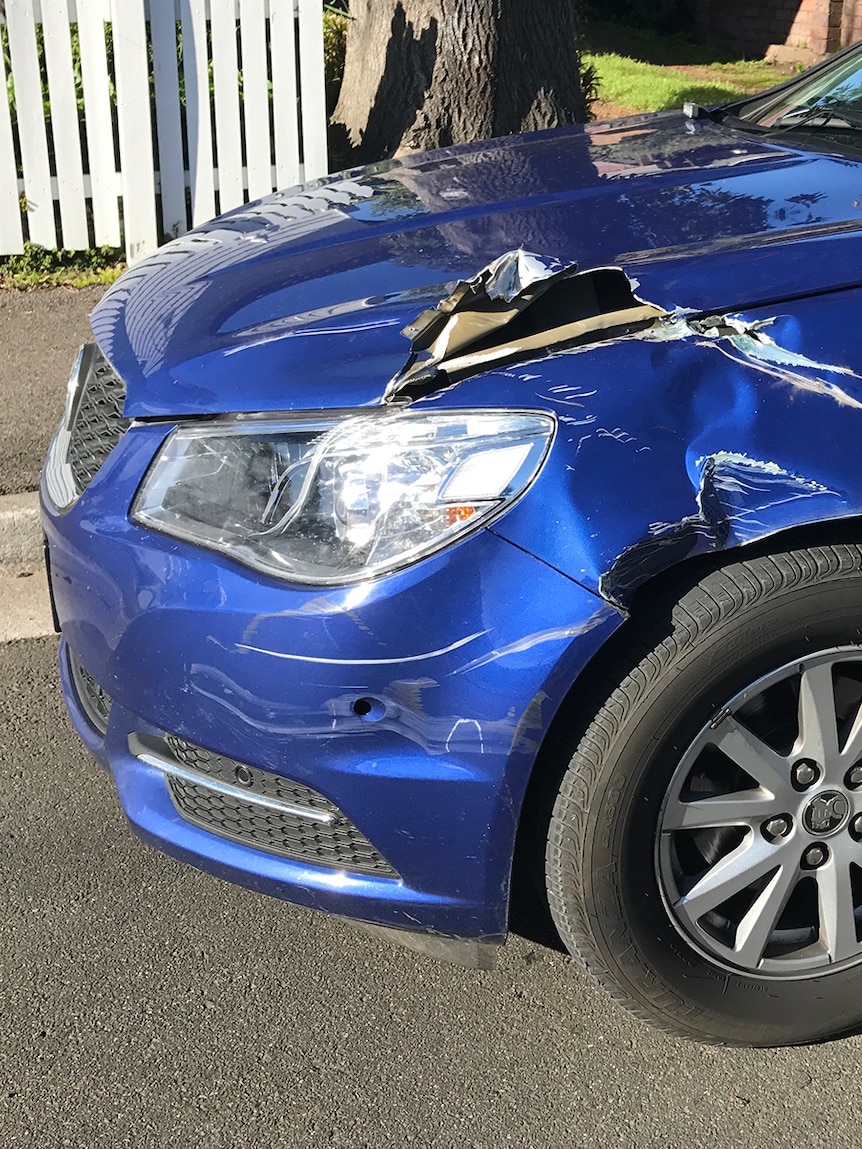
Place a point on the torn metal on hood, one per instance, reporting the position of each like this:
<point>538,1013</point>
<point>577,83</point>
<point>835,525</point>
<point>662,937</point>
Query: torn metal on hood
<point>520,305</point>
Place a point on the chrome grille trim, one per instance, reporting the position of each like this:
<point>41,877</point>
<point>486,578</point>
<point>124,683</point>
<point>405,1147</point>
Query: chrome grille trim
<point>257,808</point>
<point>173,768</point>
<point>91,427</point>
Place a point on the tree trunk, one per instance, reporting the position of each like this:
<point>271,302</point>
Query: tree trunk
<point>427,73</point>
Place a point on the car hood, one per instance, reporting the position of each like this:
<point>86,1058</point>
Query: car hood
<point>299,300</point>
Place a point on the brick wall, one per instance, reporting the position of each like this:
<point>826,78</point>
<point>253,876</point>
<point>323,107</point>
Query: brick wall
<point>851,24</point>
<point>814,27</point>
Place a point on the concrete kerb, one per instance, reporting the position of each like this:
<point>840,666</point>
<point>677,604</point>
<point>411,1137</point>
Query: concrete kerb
<point>20,532</point>
<point>25,609</point>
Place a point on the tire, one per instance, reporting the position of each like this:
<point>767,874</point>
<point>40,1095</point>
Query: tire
<point>738,923</point>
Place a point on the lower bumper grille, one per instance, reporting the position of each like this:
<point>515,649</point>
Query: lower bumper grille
<point>257,808</point>
<point>93,700</point>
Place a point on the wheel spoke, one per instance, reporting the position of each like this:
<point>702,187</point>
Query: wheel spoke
<point>852,749</point>
<point>818,728</point>
<point>740,809</point>
<point>752,859</point>
<point>835,895</point>
<point>764,765</point>
<point>755,929</point>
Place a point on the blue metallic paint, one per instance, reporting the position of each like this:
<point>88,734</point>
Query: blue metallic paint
<point>469,653</point>
<point>639,421</point>
<point>670,443</point>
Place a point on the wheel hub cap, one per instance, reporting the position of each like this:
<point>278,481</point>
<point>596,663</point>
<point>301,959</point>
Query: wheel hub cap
<point>826,814</point>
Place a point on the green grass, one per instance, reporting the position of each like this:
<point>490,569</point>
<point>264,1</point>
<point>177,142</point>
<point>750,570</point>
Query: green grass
<point>650,88</point>
<point>643,70</point>
<point>40,267</point>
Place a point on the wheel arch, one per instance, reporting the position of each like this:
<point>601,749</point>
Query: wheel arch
<point>653,599</point>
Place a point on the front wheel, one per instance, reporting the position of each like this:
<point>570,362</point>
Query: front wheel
<point>704,855</point>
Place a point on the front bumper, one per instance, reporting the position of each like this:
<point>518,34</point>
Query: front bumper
<point>415,704</point>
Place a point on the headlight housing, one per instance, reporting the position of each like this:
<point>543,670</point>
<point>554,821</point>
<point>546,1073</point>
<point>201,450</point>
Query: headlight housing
<point>335,500</point>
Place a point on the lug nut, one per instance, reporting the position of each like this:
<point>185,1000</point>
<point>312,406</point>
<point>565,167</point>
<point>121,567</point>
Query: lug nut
<point>805,772</point>
<point>856,827</point>
<point>777,827</point>
<point>854,776</point>
<point>815,856</point>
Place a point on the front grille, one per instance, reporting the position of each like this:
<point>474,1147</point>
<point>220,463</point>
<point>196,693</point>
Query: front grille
<point>303,835</point>
<point>96,421</point>
<point>93,700</point>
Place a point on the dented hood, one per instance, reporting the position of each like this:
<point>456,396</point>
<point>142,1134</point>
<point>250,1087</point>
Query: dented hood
<point>301,300</point>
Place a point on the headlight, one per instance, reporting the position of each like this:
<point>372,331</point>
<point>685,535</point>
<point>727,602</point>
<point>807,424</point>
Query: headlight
<point>336,500</point>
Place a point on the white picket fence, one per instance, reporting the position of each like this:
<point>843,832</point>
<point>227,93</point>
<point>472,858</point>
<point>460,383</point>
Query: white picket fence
<point>148,164</point>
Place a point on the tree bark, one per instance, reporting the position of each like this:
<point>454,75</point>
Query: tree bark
<point>428,73</point>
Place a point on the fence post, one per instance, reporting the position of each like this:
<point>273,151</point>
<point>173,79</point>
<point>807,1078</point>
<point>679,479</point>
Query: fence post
<point>11,229</point>
<point>313,88</point>
<point>226,96</point>
<point>32,132</point>
<point>64,124</point>
<point>135,123</point>
<point>163,32</point>
<point>198,124</point>
<point>104,181</point>
<point>282,31</point>
<point>257,114</point>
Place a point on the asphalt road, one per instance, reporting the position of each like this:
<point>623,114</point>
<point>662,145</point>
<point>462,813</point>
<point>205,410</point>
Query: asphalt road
<point>40,331</point>
<point>144,1004</point>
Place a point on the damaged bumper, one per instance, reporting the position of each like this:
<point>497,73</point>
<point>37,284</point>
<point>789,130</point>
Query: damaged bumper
<point>313,743</point>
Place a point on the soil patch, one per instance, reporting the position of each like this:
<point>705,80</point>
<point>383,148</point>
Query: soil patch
<point>601,110</point>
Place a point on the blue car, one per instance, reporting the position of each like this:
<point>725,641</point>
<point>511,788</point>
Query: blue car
<point>491,520</point>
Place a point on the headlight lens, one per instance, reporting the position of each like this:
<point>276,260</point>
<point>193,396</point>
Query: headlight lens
<point>334,501</point>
